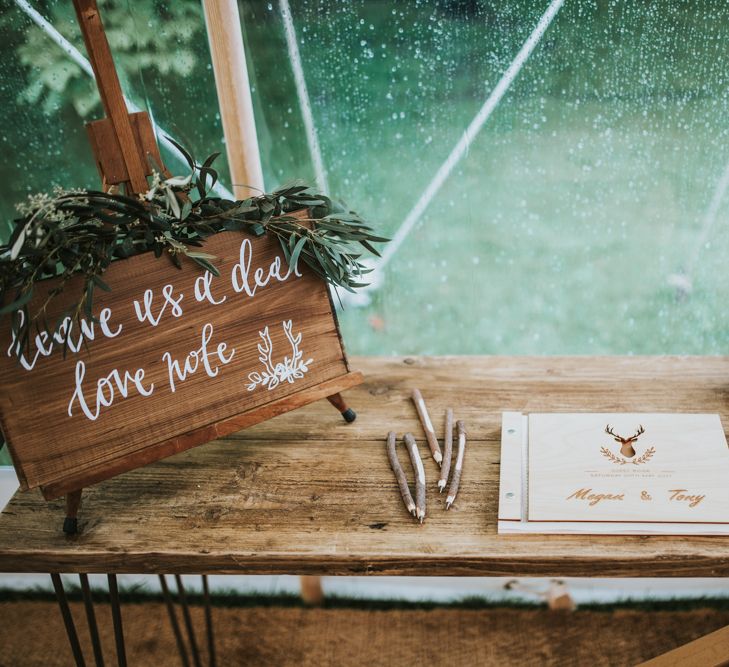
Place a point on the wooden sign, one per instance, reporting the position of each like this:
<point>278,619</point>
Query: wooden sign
<point>176,358</point>
<point>173,358</point>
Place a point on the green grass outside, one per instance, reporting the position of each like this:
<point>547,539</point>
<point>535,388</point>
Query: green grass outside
<point>231,598</point>
<point>581,196</point>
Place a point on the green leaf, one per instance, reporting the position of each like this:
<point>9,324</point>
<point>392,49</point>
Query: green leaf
<point>205,264</point>
<point>370,247</point>
<point>89,300</point>
<point>100,283</point>
<point>24,298</point>
<point>256,228</point>
<point>297,250</point>
<point>185,154</point>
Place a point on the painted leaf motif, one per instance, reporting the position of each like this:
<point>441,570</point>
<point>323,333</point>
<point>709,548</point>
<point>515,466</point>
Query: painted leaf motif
<point>290,368</point>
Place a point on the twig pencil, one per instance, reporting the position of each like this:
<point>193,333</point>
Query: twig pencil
<point>419,476</point>
<point>402,481</point>
<point>427,426</point>
<point>453,490</point>
<point>445,467</point>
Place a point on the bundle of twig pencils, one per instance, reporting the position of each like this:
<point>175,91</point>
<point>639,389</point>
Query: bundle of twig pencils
<point>442,458</point>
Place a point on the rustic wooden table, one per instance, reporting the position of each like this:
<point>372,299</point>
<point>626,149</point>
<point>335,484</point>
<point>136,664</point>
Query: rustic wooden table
<point>306,493</point>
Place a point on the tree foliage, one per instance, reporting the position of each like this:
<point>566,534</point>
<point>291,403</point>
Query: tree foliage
<point>146,37</point>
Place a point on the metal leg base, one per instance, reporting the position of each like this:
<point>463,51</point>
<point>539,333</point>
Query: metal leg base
<point>337,401</point>
<point>70,525</point>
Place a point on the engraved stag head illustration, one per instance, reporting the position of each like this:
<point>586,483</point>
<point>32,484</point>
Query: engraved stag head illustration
<point>626,444</point>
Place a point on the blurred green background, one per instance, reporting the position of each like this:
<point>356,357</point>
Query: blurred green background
<point>558,232</point>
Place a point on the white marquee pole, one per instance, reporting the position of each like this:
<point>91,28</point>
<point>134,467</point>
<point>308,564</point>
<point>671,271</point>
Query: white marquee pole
<point>234,95</point>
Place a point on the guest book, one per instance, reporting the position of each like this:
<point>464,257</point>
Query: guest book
<point>614,473</point>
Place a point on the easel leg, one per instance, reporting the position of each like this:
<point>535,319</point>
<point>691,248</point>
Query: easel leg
<point>311,590</point>
<point>73,502</point>
<point>338,402</point>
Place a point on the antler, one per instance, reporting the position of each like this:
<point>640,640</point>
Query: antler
<point>619,438</point>
<point>638,433</point>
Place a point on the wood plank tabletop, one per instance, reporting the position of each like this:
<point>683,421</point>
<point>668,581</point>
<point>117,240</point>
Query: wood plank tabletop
<point>306,493</point>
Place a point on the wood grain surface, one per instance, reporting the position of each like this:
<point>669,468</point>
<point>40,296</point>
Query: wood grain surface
<point>711,650</point>
<point>306,493</point>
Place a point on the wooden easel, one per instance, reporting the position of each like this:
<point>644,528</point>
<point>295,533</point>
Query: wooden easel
<point>122,144</point>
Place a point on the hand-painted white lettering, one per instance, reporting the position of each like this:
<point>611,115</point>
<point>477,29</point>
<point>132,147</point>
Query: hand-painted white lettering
<point>66,334</point>
<point>203,292</point>
<point>240,275</point>
<point>145,312</point>
<point>106,390</point>
<point>211,360</point>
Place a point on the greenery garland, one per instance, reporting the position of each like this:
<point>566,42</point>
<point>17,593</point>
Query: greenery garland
<point>80,232</point>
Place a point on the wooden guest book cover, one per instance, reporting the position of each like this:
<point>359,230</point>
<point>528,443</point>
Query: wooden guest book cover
<point>614,473</point>
<point>176,358</point>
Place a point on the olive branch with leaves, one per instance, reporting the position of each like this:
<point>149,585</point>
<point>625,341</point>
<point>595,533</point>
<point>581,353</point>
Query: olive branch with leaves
<point>72,233</point>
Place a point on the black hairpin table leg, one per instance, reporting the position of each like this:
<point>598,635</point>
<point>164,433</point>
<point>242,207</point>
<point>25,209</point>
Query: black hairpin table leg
<point>208,621</point>
<point>73,638</point>
<point>338,402</point>
<point>121,653</point>
<point>188,621</point>
<point>91,620</point>
<point>68,620</point>
<point>173,621</point>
